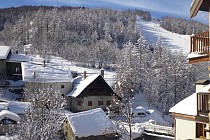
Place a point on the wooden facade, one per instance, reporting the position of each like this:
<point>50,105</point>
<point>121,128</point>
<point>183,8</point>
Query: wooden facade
<point>98,87</point>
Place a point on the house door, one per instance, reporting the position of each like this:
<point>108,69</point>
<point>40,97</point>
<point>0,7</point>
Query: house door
<point>200,130</point>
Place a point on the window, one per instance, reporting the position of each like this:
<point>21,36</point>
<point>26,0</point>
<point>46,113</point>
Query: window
<point>79,102</point>
<point>62,86</point>
<point>200,130</point>
<point>100,102</point>
<point>141,114</point>
<point>108,103</point>
<point>7,121</point>
<point>89,103</point>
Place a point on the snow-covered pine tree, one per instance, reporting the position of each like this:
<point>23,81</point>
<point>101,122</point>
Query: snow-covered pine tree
<point>44,118</point>
<point>125,83</point>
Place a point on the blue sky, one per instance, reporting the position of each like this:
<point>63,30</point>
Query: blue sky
<point>158,8</point>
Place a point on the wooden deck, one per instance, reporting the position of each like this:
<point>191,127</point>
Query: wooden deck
<point>200,44</point>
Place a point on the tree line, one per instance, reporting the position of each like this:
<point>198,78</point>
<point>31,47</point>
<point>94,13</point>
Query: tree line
<point>88,35</point>
<point>182,26</point>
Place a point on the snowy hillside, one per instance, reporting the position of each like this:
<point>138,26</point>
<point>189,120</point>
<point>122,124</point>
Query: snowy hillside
<point>152,30</point>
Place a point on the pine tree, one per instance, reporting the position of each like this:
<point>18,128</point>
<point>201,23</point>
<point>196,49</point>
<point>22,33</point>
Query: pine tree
<point>44,117</point>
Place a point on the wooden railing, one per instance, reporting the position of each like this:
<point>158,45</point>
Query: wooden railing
<point>200,43</point>
<point>202,104</point>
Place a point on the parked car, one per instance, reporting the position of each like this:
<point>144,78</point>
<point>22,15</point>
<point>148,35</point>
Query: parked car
<point>141,112</point>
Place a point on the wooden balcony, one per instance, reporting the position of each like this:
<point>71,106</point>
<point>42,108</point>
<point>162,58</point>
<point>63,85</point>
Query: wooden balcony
<point>203,106</point>
<point>199,48</point>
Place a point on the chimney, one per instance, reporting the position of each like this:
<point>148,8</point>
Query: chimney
<point>44,63</point>
<point>85,75</point>
<point>16,51</point>
<point>102,72</point>
<point>200,84</point>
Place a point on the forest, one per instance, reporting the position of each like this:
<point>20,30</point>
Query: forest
<point>182,26</point>
<point>107,37</point>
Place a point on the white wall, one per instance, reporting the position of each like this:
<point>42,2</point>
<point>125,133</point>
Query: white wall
<point>185,129</point>
<point>199,87</point>
<point>94,100</point>
<point>55,86</point>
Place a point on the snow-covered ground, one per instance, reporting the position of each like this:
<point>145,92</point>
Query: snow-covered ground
<point>151,31</point>
<point>109,76</point>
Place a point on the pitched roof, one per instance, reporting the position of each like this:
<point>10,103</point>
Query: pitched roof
<point>96,118</point>
<point>4,51</point>
<point>10,115</point>
<point>80,84</point>
<point>186,106</point>
<point>51,73</point>
<point>18,58</point>
<point>202,82</point>
<point>15,106</point>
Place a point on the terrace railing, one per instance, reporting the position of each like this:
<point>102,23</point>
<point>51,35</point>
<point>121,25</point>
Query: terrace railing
<point>200,43</point>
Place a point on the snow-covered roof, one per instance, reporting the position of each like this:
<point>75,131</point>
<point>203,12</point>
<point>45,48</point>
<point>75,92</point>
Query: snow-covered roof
<point>15,106</point>
<point>195,55</point>
<point>80,84</point>
<point>18,107</point>
<point>51,73</point>
<point>18,58</point>
<point>4,51</point>
<point>10,115</point>
<point>187,106</point>
<point>96,118</point>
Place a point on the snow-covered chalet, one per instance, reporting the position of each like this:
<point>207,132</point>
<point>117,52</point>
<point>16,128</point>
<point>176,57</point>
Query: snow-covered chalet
<point>89,125</point>
<point>90,92</point>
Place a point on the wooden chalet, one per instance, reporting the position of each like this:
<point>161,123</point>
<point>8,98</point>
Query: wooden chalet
<point>191,115</point>
<point>89,93</point>
<point>199,43</point>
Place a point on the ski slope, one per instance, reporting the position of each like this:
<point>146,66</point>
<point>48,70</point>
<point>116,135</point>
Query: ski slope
<point>151,31</point>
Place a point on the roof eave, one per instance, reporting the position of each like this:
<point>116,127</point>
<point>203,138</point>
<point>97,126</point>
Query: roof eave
<point>195,7</point>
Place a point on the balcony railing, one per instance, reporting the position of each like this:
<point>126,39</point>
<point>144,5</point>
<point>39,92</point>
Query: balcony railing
<point>203,107</point>
<point>200,43</point>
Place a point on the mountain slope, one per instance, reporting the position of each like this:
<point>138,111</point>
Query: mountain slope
<point>151,30</point>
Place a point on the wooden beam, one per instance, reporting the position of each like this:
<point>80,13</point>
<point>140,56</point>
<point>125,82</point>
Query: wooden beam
<point>188,117</point>
<point>202,119</point>
<point>195,7</point>
<point>198,60</point>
